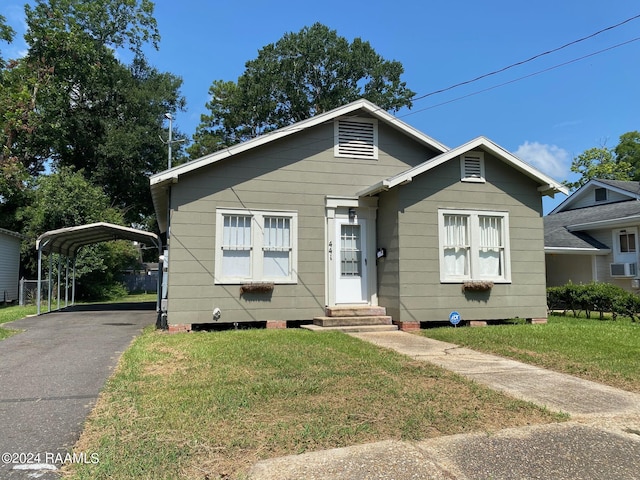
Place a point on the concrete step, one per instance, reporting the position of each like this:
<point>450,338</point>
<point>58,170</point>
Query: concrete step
<point>352,329</point>
<point>355,311</point>
<point>352,321</point>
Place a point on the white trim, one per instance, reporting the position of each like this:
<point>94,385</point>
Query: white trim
<point>256,248</point>
<point>550,186</point>
<point>474,239</point>
<point>576,251</point>
<point>618,255</point>
<point>464,167</point>
<point>160,181</point>
<point>333,202</point>
<point>609,223</point>
<point>586,189</point>
<point>365,150</point>
<point>336,208</point>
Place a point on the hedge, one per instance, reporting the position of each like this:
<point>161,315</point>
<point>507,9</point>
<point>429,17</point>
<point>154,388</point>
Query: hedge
<point>594,297</point>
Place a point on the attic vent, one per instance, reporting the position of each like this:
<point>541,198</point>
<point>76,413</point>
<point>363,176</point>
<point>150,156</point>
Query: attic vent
<point>356,138</point>
<point>601,194</point>
<point>472,167</point>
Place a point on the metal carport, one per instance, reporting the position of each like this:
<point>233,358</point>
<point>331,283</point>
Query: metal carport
<point>67,242</point>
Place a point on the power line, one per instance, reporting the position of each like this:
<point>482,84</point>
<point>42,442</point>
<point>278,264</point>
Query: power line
<point>523,77</point>
<point>495,72</point>
<point>295,127</point>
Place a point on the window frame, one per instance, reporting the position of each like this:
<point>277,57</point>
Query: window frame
<point>257,247</point>
<point>473,226</point>
<point>630,255</point>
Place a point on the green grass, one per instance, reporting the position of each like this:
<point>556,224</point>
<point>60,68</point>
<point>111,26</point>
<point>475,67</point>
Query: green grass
<point>605,351</point>
<point>12,313</point>
<point>133,297</point>
<point>209,405</point>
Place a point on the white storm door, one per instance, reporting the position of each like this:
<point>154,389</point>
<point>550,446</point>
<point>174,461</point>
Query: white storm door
<point>351,261</point>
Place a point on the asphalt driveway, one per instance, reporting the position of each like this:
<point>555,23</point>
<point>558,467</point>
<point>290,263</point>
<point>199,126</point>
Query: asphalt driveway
<point>50,377</point>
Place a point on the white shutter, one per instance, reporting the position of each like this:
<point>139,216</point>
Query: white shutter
<point>356,138</point>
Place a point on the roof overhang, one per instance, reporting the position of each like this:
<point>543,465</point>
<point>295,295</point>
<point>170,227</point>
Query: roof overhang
<point>586,188</point>
<point>67,241</point>
<point>605,224</point>
<point>161,182</point>
<point>548,186</point>
<point>12,234</point>
<point>576,251</point>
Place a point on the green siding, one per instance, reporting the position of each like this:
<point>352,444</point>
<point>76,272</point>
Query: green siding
<point>388,267</point>
<point>295,173</point>
<point>422,297</point>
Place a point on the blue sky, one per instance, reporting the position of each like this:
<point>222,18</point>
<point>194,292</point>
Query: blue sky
<point>546,119</point>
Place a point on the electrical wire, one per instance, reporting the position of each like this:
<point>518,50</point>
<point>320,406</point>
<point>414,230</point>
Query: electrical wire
<point>513,65</point>
<point>523,77</point>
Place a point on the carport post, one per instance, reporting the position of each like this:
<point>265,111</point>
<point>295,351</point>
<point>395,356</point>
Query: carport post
<point>39,280</point>
<point>73,283</point>
<point>50,289</point>
<point>158,284</point>
<point>59,276</point>
<point>66,285</point>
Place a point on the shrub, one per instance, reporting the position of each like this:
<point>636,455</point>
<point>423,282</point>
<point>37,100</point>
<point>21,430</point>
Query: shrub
<point>594,297</point>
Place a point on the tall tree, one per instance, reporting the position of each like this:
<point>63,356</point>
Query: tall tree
<point>628,151</point>
<point>125,147</point>
<point>66,199</point>
<point>299,76</point>
<point>6,34</point>
<point>72,102</point>
<point>599,162</point>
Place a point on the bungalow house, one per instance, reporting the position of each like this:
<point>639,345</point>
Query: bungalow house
<point>9,265</point>
<point>593,235</point>
<point>352,210</point>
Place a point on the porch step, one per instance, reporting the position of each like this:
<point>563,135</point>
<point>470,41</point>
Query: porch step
<point>349,321</point>
<point>352,329</point>
<point>355,311</point>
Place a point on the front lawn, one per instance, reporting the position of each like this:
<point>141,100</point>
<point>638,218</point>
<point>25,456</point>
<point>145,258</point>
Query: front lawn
<point>605,351</point>
<point>12,313</point>
<point>209,405</point>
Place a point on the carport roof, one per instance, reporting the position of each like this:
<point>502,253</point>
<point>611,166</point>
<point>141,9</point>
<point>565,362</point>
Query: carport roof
<point>67,241</point>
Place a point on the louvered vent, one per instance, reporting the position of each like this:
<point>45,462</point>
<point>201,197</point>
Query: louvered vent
<point>356,139</point>
<point>472,166</point>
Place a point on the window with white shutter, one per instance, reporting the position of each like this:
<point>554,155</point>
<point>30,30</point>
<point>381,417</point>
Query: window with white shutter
<point>474,245</point>
<point>356,138</point>
<point>255,246</point>
<point>472,167</point>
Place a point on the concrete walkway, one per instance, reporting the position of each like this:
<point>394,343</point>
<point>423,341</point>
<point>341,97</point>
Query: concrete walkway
<point>602,440</point>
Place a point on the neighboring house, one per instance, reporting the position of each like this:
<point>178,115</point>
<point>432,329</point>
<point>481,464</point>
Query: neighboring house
<point>593,235</point>
<point>9,265</point>
<point>349,208</point>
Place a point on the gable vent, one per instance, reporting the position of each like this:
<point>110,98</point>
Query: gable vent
<point>356,138</point>
<point>472,167</point>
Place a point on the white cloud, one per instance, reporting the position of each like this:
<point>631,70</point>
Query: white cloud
<point>549,159</point>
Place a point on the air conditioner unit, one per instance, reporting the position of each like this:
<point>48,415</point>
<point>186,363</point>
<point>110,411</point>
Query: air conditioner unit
<point>623,269</point>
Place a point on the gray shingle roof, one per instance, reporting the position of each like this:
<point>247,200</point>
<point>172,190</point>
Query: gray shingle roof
<point>630,186</point>
<point>556,234</point>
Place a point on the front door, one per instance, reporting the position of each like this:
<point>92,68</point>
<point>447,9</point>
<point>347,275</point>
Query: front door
<point>351,261</point>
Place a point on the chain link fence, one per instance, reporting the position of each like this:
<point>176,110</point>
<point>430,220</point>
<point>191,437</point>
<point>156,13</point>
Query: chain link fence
<point>29,291</point>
